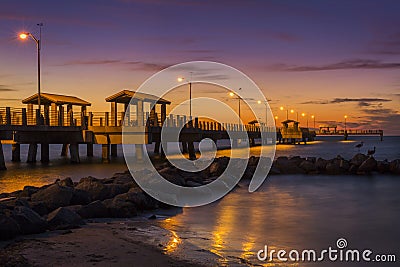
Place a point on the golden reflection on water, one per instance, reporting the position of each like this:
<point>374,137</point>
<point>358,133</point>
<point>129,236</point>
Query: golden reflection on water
<point>173,243</point>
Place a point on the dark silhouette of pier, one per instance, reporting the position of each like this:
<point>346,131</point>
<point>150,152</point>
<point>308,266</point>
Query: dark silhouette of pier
<point>65,120</point>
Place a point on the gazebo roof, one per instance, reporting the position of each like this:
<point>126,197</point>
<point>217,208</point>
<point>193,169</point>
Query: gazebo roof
<point>46,98</point>
<point>125,96</point>
<point>290,121</point>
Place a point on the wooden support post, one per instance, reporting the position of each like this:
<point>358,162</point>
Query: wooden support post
<point>24,117</point>
<point>153,118</point>
<point>89,149</point>
<point>140,113</point>
<point>74,152</point>
<point>192,152</point>
<point>8,115</point>
<point>44,153</point>
<point>32,151</point>
<point>139,152</point>
<point>61,115</point>
<point>70,115</point>
<point>46,114</point>
<point>30,117</point>
<point>2,162</point>
<point>164,149</point>
<point>157,148</point>
<point>90,122</point>
<point>53,115</point>
<point>105,153</point>
<point>64,150</point>
<point>106,121</point>
<point>16,153</point>
<point>184,147</point>
<point>163,113</point>
<point>113,150</point>
<point>127,117</point>
<point>114,112</point>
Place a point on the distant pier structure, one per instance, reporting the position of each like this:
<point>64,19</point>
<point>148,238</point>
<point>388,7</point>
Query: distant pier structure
<point>332,130</point>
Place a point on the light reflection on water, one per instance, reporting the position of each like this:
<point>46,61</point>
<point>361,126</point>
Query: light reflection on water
<point>20,174</point>
<point>295,212</point>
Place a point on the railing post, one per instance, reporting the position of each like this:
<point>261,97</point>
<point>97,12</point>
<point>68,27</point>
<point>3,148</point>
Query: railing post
<point>106,119</point>
<point>196,122</point>
<point>90,119</point>
<point>8,115</point>
<point>24,118</point>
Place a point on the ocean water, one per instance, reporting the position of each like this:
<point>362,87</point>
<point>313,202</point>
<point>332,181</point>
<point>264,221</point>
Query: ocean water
<point>20,174</point>
<point>292,212</point>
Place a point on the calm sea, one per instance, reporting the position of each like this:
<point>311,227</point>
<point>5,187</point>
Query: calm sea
<point>287,212</point>
<point>20,174</point>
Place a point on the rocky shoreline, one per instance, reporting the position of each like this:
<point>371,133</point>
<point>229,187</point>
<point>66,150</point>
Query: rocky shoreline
<point>66,204</point>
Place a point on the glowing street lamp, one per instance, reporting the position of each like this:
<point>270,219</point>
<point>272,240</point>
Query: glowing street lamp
<point>181,79</point>
<point>266,110</point>
<point>24,36</point>
<point>313,117</point>
<point>305,115</point>
<point>345,123</point>
<point>232,94</point>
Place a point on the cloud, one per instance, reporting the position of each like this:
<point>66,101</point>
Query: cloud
<point>141,65</point>
<point>388,44</point>
<point>5,88</point>
<point>342,65</point>
<point>360,101</point>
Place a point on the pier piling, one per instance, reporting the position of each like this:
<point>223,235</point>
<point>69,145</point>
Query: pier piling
<point>113,150</point>
<point>89,149</point>
<point>16,152</point>
<point>74,152</point>
<point>32,151</point>
<point>105,153</point>
<point>2,162</point>
<point>44,153</point>
<point>64,150</point>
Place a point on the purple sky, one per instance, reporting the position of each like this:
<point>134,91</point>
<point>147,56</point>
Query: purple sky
<point>327,58</point>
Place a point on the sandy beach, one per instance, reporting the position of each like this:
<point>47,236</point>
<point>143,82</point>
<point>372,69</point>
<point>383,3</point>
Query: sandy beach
<point>105,242</point>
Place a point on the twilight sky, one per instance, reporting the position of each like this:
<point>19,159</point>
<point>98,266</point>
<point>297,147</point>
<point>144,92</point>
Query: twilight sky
<point>327,58</point>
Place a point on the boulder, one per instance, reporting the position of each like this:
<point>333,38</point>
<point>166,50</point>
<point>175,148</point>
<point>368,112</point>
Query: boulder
<point>8,227</point>
<point>39,207</point>
<point>28,191</point>
<point>333,167</point>
<point>64,218</point>
<point>395,166</point>
<point>54,196</point>
<point>28,220</point>
<point>286,166</point>
<point>321,163</point>
<point>80,197</point>
<point>137,197</point>
<point>96,209</point>
<point>383,166</point>
<point>358,159</point>
<point>96,189</point>
<point>118,208</point>
<point>172,175</point>
<point>66,182</point>
<point>368,166</point>
<point>308,166</point>
<point>116,189</point>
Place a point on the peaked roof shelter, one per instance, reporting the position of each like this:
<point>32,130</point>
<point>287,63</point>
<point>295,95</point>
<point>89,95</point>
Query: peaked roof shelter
<point>48,99</point>
<point>125,96</point>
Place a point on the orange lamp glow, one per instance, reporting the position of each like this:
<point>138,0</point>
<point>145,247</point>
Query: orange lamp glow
<point>291,111</point>
<point>180,79</point>
<point>303,114</point>
<point>231,94</point>
<point>281,108</point>
<point>23,36</point>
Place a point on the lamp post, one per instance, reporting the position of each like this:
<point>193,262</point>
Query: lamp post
<point>345,123</point>
<point>305,115</point>
<point>180,79</point>
<point>266,110</point>
<point>313,117</point>
<point>24,36</point>
<point>232,94</point>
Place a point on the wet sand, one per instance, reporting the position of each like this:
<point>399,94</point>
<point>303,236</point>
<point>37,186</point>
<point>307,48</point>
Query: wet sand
<point>105,242</point>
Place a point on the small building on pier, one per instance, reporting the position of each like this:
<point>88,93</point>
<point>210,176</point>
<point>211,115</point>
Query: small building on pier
<point>54,113</point>
<point>136,115</point>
